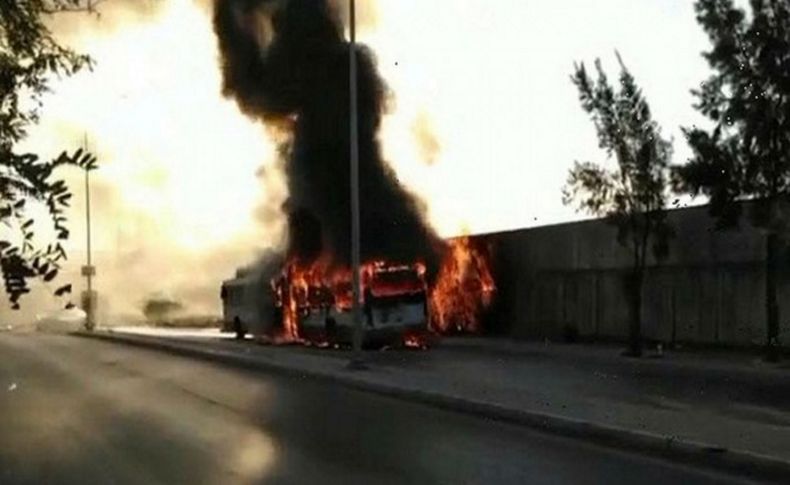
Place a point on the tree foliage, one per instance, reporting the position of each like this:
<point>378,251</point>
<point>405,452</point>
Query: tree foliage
<point>633,196</point>
<point>30,57</point>
<point>746,154</point>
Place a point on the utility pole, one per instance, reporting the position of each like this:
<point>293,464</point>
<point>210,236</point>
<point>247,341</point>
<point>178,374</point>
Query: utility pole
<point>356,359</point>
<point>88,271</point>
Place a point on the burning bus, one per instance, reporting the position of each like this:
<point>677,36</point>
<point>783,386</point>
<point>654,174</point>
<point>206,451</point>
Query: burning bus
<point>314,304</point>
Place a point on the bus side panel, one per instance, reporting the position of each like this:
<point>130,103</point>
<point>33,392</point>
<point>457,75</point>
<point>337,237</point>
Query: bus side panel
<point>260,301</point>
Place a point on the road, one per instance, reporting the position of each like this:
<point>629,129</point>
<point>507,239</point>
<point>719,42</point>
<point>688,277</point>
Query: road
<point>80,411</point>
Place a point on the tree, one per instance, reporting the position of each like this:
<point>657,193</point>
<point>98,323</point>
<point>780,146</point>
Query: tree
<point>633,196</point>
<point>159,309</point>
<point>746,153</point>
<point>29,58</point>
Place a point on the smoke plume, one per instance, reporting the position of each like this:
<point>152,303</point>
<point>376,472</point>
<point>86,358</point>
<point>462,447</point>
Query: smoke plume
<point>172,200</point>
<point>427,142</point>
<point>286,62</point>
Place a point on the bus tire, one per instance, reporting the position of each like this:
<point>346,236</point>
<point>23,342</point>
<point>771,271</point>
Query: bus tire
<point>238,328</point>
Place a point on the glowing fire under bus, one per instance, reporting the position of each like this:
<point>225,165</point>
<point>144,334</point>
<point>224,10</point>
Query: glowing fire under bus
<point>313,303</point>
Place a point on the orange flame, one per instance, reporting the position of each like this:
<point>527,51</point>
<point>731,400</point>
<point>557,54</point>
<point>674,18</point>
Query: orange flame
<point>303,288</point>
<point>415,341</point>
<point>463,289</point>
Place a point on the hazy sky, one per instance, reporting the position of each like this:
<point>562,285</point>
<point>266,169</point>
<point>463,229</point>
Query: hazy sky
<point>481,91</point>
<point>493,76</point>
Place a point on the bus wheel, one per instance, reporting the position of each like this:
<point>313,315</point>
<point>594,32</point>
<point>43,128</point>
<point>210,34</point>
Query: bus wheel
<point>330,329</point>
<point>238,328</point>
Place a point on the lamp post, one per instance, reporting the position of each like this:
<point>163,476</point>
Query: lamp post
<point>356,359</point>
<point>88,271</point>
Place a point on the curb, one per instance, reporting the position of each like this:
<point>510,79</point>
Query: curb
<point>736,462</point>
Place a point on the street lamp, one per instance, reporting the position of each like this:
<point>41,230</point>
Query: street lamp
<point>356,359</point>
<point>88,271</point>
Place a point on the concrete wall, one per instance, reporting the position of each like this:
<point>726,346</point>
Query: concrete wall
<point>709,290</point>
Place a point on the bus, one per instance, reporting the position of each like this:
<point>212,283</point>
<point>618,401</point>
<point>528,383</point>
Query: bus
<point>394,307</point>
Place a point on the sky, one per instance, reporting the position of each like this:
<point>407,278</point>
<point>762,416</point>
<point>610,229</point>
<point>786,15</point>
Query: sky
<point>493,78</point>
<point>483,124</point>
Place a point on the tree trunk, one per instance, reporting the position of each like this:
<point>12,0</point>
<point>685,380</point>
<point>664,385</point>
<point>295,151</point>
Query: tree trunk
<point>674,317</point>
<point>771,304</point>
<point>635,327</point>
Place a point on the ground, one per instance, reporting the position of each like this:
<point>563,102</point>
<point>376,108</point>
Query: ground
<point>81,411</point>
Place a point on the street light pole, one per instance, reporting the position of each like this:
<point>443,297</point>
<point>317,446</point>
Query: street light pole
<point>89,313</point>
<point>88,271</point>
<point>356,360</point>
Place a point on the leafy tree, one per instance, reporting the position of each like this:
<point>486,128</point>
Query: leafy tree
<point>29,58</point>
<point>633,196</point>
<point>746,154</point>
<point>158,309</point>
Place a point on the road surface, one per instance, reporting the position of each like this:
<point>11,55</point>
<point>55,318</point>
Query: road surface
<point>80,411</point>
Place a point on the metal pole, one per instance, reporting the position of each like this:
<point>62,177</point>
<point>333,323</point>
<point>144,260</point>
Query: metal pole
<point>356,361</point>
<point>89,322</point>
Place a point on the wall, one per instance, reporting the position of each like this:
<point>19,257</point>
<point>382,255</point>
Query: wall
<point>709,290</point>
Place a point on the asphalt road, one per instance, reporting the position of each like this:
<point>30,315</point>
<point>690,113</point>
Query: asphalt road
<point>80,411</point>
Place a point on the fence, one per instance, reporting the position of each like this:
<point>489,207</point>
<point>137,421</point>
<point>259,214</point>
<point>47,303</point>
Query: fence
<point>569,279</point>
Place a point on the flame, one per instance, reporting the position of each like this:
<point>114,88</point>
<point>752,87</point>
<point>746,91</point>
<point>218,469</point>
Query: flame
<point>417,341</point>
<point>302,288</point>
<point>464,288</point>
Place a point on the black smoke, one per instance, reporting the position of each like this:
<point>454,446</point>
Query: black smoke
<point>286,62</point>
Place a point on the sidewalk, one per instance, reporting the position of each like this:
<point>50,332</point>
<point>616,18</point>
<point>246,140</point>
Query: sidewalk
<point>732,413</point>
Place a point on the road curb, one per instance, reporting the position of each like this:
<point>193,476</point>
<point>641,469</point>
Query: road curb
<point>742,463</point>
